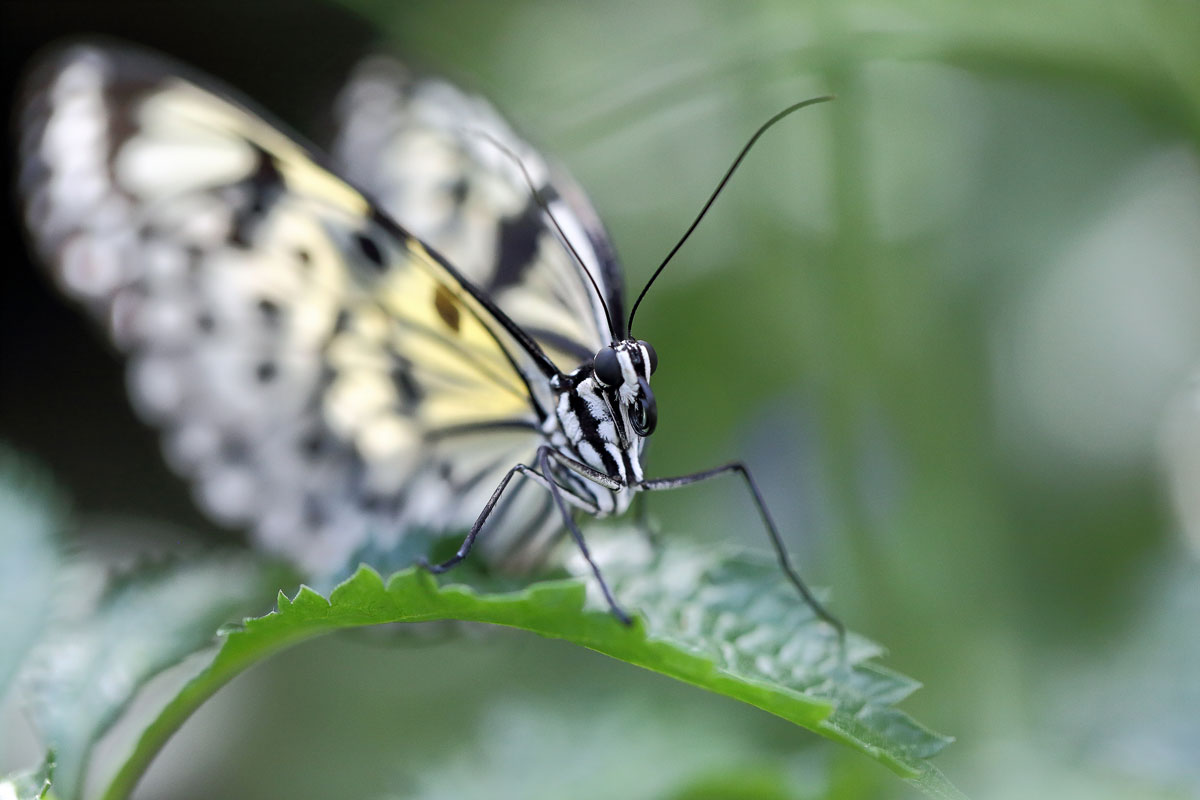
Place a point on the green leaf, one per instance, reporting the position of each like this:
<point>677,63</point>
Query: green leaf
<point>31,518</point>
<point>728,624</point>
<point>87,671</point>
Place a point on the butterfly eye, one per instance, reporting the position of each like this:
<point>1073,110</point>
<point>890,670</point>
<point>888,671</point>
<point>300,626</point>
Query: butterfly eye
<point>607,367</point>
<point>652,355</point>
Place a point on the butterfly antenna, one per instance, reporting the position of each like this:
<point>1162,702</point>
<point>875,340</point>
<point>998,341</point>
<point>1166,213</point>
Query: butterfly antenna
<point>537,198</point>
<point>728,174</point>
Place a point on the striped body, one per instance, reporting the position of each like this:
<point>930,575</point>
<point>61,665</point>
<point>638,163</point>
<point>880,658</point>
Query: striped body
<point>597,428</point>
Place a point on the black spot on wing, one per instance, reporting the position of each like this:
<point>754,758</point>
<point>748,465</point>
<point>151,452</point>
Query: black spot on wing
<point>235,450</point>
<point>446,306</point>
<point>314,444</point>
<point>459,191</point>
<point>260,189</point>
<point>269,311</point>
<point>516,246</point>
<point>315,513</point>
<point>406,385</point>
<point>388,505</point>
<point>193,253</point>
<point>370,250</point>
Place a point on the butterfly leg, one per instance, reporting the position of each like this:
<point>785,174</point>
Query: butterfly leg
<point>469,542</point>
<point>465,548</point>
<point>546,478</point>
<point>544,456</point>
<point>785,561</point>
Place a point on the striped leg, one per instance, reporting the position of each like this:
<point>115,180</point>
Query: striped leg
<point>785,561</point>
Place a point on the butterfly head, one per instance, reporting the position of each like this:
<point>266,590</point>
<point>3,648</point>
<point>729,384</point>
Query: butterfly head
<point>622,371</point>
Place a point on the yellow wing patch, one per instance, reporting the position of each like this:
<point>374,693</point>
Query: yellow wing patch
<point>312,366</point>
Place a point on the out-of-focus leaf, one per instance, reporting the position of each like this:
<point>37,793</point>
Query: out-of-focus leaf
<point>85,673</point>
<point>32,785</point>
<point>1144,49</point>
<point>739,785</point>
<point>1132,716</point>
<point>727,624</point>
<point>31,518</point>
<point>539,750</point>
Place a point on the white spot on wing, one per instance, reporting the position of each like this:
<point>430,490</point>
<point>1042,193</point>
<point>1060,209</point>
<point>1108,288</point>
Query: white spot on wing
<point>165,323</point>
<point>91,266</point>
<point>157,168</point>
<point>390,446</point>
<point>229,494</point>
<point>157,386</point>
<point>355,397</point>
<point>191,445</point>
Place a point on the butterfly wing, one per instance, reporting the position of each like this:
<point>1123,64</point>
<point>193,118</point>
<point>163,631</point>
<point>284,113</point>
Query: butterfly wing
<point>317,370</point>
<point>436,158</point>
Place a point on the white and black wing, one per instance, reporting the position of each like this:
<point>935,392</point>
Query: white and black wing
<point>318,373</point>
<point>428,152</point>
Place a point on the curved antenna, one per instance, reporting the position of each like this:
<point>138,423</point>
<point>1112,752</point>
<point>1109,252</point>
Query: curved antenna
<point>728,174</point>
<point>537,197</point>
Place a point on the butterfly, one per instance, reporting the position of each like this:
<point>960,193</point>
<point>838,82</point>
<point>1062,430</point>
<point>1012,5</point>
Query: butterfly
<point>423,331</point>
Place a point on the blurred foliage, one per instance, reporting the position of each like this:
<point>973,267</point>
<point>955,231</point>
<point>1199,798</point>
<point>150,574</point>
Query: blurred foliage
<point>32,785</point>
<point>87,670</point>
<point>668,757</point>
<point>33,518</point>
<point>941,317</point>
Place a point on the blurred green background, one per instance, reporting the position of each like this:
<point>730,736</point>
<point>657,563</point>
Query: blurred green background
<point>949,320</point>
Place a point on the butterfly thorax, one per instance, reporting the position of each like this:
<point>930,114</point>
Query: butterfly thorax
<point>605,411</point>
